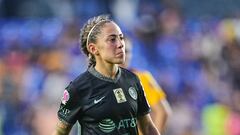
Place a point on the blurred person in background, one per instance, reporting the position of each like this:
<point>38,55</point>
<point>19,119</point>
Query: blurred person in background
<point>160,108</point>
<point>230,55</point>
<point>16,113</point>
<point>233,123</point>
<point>106,99</point>
<point>222,116</point>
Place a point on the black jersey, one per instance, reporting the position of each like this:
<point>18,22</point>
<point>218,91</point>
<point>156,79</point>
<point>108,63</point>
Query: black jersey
<point>104,106</point>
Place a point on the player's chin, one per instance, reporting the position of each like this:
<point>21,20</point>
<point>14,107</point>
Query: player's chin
<point>120,61</point>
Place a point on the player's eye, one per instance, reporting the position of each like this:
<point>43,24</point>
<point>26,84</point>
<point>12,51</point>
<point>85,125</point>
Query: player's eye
<point>122,38</point>
<point>113,39</point>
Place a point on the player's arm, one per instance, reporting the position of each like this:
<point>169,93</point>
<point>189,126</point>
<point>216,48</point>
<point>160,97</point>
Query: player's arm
<point>62,128</point>
<point>68,111</point>
<point>146,125</point>
<point>160,114</point>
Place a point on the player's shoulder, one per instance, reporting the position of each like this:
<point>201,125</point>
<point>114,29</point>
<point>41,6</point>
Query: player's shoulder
<point>80,82</point>
<point>128,72</point>
<point>82,78</point>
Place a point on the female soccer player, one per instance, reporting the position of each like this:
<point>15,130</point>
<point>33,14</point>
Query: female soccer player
<point>106,99</point>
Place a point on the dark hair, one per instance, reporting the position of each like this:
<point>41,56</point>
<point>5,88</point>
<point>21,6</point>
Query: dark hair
<point>89,33</point>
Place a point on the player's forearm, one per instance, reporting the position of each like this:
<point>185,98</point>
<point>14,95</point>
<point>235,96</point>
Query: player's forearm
<point>147,126</point>
<point>160,114</point>
<point>62,129</point>
<point>159,118</point>
<point>151,130</point>
<point>164,115</point>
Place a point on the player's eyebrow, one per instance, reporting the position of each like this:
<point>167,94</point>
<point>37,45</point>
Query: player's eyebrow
<point>115,35</point>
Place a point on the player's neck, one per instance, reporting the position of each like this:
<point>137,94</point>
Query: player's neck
<point>108,70</point>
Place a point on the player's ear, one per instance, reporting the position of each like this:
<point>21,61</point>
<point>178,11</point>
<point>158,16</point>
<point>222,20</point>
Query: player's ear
<point>93,49</point>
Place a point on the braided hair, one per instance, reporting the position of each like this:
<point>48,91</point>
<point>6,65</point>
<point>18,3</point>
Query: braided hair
<point>89,33</point>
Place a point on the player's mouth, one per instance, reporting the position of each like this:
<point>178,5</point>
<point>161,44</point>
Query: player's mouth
<point>120,54</point>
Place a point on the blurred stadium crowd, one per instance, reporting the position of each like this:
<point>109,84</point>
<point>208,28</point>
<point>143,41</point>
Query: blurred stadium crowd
<point>194,57</point>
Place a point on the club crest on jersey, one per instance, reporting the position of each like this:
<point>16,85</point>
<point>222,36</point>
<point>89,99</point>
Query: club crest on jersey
<point>119,95</point>
<point>65,97</point>
<point>133,93</point>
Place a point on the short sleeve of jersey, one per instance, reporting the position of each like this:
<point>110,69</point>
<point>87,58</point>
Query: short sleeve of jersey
<point>69,108</point>
<point>143,106</point>
<point>153,91</point>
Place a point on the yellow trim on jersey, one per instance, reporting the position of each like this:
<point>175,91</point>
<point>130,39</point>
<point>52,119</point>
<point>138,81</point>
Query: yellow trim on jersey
<point>153,91</point>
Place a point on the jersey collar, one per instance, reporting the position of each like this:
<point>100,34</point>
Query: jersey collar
<point>95,73</point>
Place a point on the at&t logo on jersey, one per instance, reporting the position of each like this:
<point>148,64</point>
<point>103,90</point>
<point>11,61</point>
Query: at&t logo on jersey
<point>107,125</point>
